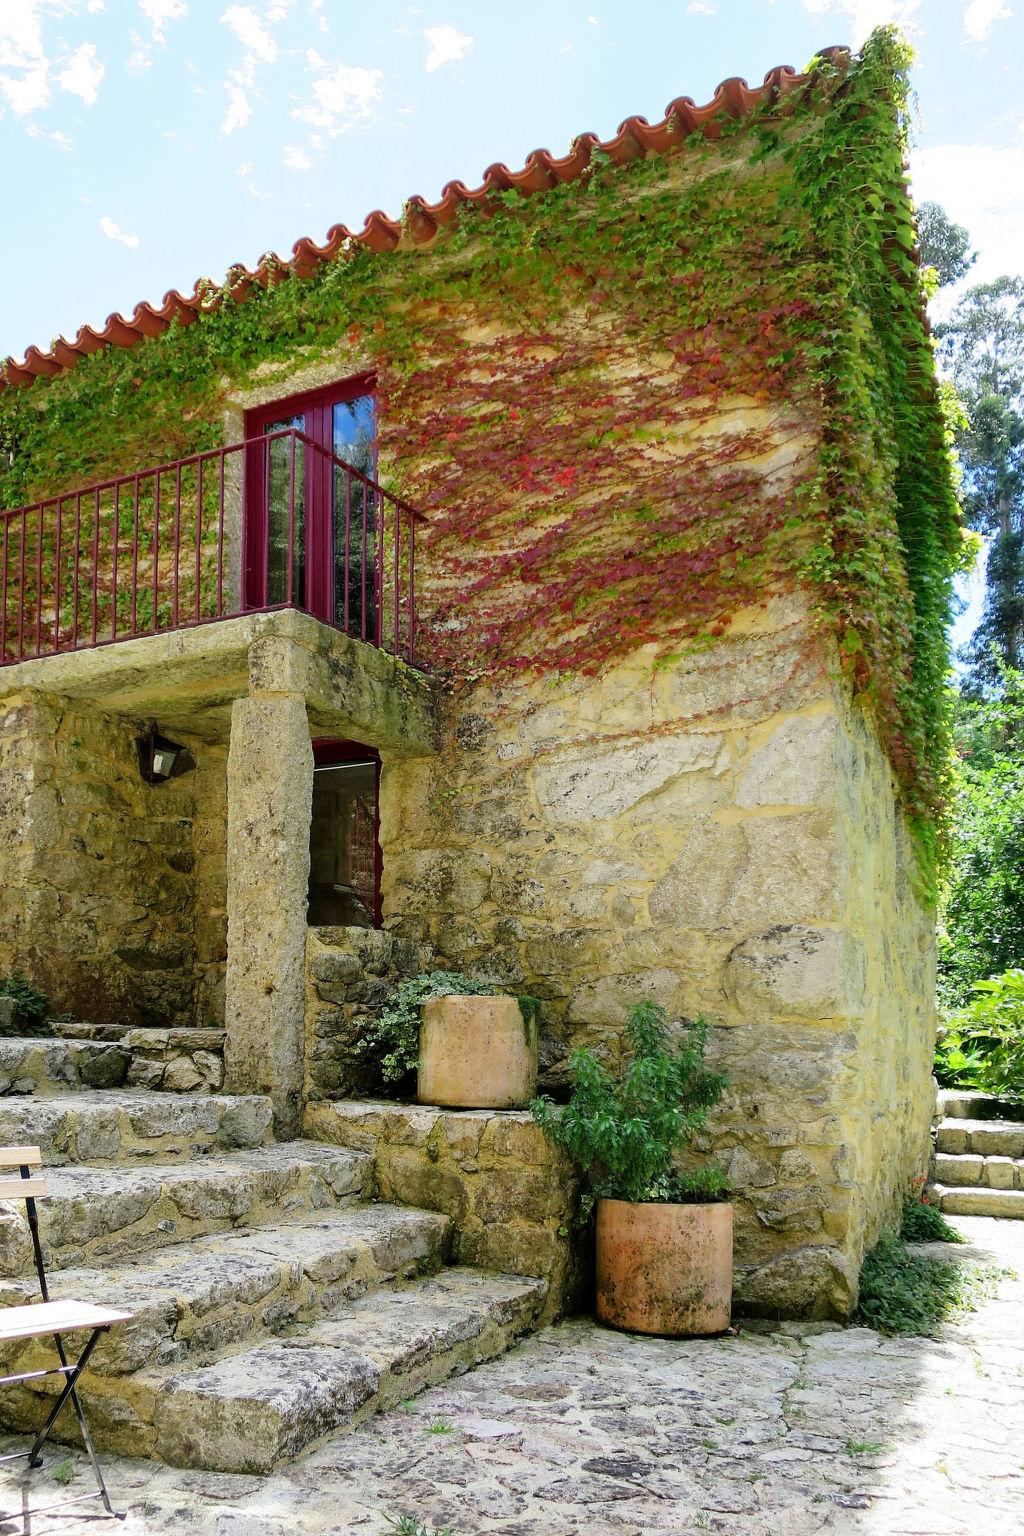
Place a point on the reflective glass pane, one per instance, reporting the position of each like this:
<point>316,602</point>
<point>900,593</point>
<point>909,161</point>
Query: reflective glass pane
<point>354,430</point>
<point>279,454</point>
<point>343,845</point>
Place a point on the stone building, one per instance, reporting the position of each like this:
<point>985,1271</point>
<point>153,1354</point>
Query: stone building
<point>601,684</point>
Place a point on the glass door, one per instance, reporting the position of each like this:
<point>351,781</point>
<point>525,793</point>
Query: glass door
<point>311,528</point>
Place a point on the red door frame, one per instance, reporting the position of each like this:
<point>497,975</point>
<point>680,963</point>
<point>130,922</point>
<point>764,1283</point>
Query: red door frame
<point>316,406</point>
<point>326,752</point>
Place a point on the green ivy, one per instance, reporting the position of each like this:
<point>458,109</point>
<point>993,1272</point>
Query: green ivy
<point>774,264</point>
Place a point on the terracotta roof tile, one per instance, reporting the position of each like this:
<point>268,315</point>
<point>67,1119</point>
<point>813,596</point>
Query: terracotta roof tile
<point>635,138</point>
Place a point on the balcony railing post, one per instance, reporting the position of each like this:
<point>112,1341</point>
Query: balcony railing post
<point>378,584</point>
<point>113,577</point>
<point>197,605</point>
<point>3,591</point>
<point>95,565</point>
<point>156,547</point>
<point>39,581</point>
<point>135,555</point>
<point>412,588</point>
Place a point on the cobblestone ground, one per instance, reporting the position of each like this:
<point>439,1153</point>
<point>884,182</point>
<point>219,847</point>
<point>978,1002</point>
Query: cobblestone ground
<point>782,1433</point>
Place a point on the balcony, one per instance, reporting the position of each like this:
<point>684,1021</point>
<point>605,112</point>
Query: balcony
<point>275,522</point>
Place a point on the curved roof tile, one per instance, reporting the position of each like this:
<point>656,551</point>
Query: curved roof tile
<point>636,138</point>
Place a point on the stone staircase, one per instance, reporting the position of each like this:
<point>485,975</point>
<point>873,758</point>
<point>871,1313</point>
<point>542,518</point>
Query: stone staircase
<point>978,1163</point>
<point>275,1299</point>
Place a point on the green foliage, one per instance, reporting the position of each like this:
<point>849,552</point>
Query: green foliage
<point>774,264</point>
<point>983,345</point>
<point>945,246</point>
<point>408,1525</point>
<point>902,1292</point>
<point>923,1222</point>
<point>64,1471</point>
<point>31,1004</point>
<point>982,1046</point>
<point>393,1037</point>
<point>624,1134</point>
<point>981,932</point>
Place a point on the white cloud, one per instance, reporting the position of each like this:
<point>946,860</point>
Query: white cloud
<point>594,21</point>
<point>971,182</point>
<point>21,51</point>
<point>344,94</point>
<point>251,32</point>
<point>865,15</point>
<point>95,6</point>
<point>239,110</point>
<point>60,139</point>
<point>447,45</point>
<point>702,8</point>
<point>83,74</point>
<point>980,16</point>
<point>296,159</point>
<point>159,12</point>
<point>115,232</point>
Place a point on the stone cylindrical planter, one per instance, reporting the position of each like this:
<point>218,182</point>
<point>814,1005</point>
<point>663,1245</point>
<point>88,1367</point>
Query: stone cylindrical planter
<point>664,1268</point>
<point>476,1053</point>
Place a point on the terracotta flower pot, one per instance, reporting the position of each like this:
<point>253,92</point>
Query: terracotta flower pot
<point>664,1268</point>
<point>476,1053</point>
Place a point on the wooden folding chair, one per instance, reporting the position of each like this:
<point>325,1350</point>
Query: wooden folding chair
<point>51,1318</point>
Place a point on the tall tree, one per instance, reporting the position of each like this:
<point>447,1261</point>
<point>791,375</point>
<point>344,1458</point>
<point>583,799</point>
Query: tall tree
<point>983,344</point>
<point>944,245</point>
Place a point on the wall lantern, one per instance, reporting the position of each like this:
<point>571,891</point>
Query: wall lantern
<point>161,759</point>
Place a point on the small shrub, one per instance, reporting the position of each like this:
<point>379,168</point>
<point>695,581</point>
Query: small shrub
<point>31,1005</point>
<point>902,1292</point>
<point>393,1037</point>
<point>624,1134</point>
<point>405,1525</point>
<point>923,1222</point>
<point>982,1046</point>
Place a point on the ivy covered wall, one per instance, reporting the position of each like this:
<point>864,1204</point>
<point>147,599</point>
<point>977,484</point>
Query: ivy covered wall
<point>556,376</point>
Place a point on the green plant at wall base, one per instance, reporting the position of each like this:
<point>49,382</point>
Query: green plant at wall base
<point>625,1134</point>
<point>982,1046</point>
<point>923,1222</point>
<point>393,1036</point>
<point>902,1292</point>
<point>541,345</point>
<point>32,1006</point>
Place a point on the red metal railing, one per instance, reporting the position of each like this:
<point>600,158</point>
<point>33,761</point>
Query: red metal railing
<point>273,522</point>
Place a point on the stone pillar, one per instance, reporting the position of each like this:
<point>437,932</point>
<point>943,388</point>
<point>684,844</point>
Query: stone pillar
<point>270,778</point>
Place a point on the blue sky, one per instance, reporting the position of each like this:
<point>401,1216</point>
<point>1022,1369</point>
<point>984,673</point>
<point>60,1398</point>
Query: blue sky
<point>146,142</point>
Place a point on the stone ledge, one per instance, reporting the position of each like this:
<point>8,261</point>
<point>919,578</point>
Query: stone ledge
<point>509,1193</point>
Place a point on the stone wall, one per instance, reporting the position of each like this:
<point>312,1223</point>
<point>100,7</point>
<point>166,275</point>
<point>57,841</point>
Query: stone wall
<point>349,973</point>
<point>719,835</point>
<point>99,870</point>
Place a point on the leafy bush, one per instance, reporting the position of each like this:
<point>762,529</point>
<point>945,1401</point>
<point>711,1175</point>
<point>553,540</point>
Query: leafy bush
<point>624,1134</point>
<point>31,1005</point>
<point>982,1046</point>
<point>923,1222</point>
<point>902,1292</point>
<point>982,920</point>
<point>394,1035</point>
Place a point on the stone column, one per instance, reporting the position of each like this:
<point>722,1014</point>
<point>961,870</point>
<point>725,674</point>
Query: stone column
<point>270,778</point>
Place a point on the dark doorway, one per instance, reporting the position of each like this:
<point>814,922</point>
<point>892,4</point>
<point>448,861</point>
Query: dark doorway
<point>344,841</point>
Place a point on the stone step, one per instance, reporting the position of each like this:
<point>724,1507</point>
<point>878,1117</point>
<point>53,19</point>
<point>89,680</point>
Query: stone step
<point>82,1029</point>
<point>60,1066</point>
<point>252,1410</point>
<point>193,1300</point>
<point>98,1215</point>
<point>111,1056</point>
<point>117,1126</point>
<point>979,1202</point>
<point>966,1104</point>
<point>971,1170</point>
<point>986,1138</point>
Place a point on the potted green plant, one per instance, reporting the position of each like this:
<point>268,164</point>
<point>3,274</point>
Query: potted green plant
<point>664,1234</point>
<point>471,1045</point>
